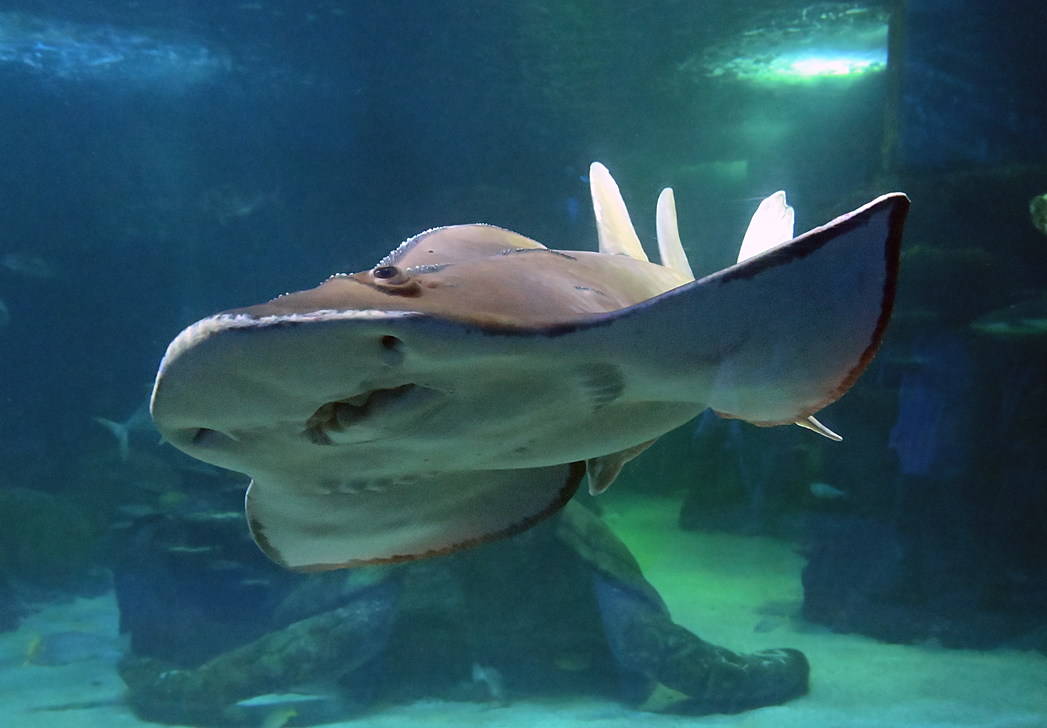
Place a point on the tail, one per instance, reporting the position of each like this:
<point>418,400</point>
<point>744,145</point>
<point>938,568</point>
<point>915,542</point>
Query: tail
<point>122,434</point>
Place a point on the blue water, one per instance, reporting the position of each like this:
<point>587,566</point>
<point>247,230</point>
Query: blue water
<point>163,161</point>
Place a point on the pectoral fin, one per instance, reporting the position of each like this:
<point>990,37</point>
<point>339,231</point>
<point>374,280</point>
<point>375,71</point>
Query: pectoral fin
<point>316,525</point>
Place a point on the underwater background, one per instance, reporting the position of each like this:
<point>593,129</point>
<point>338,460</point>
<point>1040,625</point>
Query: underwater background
<point>161,161</point>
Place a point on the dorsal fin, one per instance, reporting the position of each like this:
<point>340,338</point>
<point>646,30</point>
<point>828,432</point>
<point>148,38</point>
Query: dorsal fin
<point>772,225</point>
<point>615,229</point>
<point>669,246</point>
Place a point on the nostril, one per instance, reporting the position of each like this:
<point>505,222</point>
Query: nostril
<point>393,351</point>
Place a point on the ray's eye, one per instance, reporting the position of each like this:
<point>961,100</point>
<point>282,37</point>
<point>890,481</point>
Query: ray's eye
<point>388,273</point>
<point>394,280</point>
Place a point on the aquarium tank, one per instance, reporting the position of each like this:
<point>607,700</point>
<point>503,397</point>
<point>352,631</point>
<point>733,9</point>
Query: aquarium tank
<point>438,363</point>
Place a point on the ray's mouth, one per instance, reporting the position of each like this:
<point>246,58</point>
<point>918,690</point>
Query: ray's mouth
<point>334,422</point>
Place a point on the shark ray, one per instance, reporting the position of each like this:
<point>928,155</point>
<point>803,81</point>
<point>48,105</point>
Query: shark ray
<point>460,390</point>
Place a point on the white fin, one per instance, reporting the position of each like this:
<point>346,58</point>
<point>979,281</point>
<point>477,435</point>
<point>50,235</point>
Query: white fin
<point>669,246</point>
<point>771,225</point>
<point>615,229</point>
<point>815,426</point>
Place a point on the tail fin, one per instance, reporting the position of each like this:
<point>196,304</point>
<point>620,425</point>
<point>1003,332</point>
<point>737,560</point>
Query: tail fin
<point>122,434</point>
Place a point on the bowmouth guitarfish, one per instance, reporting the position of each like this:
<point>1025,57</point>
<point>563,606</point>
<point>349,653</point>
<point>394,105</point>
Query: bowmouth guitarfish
<point>460,390</point>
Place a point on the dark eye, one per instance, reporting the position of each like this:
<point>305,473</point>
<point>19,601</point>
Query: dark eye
<point>385,272</point>
<point>394,281</point>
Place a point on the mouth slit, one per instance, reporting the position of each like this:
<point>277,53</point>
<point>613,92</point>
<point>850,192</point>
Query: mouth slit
<point>344,413</point>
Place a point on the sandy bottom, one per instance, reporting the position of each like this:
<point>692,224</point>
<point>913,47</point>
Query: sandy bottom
<point>742,593</point>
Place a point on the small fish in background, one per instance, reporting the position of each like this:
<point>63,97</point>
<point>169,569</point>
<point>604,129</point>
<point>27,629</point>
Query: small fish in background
<point>32,649</point>
<point>5,314</point>
<point>139,421</point>
<point>27,264</point>
<point>279,718</point>
<point>826,492</point>
<point>1025,318</point>
<point>490,678</point>
<point>261,583</point>
<point>573,662</point>
<point>78,705</point>
<point>777,613</point>
<point>276,710</point>
<point>192,550</point>
<point>214,516</point>
<point>66,648</point>
<point>229,202</point>
<point>769,624</point>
